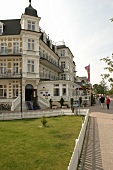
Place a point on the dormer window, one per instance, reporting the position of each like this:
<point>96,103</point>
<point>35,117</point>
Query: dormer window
<point>31,25</point>
<point>1,28</point>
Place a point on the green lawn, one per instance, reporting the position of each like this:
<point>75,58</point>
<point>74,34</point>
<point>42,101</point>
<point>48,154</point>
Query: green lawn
<point>25,145</point>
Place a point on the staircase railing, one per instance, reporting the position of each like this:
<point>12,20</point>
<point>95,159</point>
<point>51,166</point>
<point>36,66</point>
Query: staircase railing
<point>43,101</point>
<point>15,103</point>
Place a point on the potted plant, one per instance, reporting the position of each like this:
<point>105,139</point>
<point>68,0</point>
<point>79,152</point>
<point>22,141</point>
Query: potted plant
<point>61,101</point>
<point>50,102</point>
<point>71,103</point>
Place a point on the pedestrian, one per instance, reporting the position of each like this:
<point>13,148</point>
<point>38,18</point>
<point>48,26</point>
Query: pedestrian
<point>107,102</point>
<point>102,100</point>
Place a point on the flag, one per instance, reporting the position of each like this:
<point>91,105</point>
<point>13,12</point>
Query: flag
<point>88,72</point>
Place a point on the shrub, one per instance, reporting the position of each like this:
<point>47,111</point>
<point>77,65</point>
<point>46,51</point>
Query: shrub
<point>61,101</point>
<point>71,103</point>
<point>43,121</point>
<point>80,101</point>
<point>50,102</point>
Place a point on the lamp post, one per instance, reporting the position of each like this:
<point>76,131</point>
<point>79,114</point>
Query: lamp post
<point>21,93</point>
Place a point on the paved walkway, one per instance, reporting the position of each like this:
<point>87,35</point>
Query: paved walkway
<point>97,151</point>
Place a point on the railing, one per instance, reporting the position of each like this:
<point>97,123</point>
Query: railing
<point>48,76</point>
<point>51,61</point>
<point>15,103</point>
<point>57,98</point>
<point>38,114</point>
<point>10,75</point>
<point>78,145</point>
<point>9,51</point>
<point>86,97</point>
<point>43,101</point>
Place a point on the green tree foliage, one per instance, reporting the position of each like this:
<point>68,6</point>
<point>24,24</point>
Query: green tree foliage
<point>98,89</point>
<point>109,68</point>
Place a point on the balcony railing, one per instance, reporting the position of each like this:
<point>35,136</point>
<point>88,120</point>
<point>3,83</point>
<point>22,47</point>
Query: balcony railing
<point>9,51</point>
<point>52,61</point>
<point>10,75</point>
<point>48,76</point>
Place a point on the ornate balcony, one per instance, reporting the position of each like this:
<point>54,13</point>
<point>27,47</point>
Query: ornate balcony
<point>10,76</point>
<point>50,64</point>
<point>9,52</point>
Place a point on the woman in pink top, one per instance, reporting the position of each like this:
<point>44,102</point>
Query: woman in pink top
<point>107,102</point>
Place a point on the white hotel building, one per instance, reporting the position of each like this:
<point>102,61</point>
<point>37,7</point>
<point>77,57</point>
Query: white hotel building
<point>31,65</point>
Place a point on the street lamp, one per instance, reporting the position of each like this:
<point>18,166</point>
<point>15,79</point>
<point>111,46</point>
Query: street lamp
<point>21,92</point>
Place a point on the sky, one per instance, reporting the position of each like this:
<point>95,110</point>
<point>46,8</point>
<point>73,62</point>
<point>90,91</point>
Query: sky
<point>84,26</point>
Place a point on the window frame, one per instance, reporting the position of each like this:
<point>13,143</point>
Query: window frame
<point>3,47</point>
<point>16,47</point>
<point>30,66</point>
<point>31,25</point>
<point>31,44</point>
<point>3,90</point>
<point>15,68</point>
<point>3,68</point>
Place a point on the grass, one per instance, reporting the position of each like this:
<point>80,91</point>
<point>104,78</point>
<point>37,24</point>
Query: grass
<point>26,145</point>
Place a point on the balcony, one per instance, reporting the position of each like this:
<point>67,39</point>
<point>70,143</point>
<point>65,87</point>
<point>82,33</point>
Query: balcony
<point>51,64</point>
<point>9,52</point>
<point>10,76</point>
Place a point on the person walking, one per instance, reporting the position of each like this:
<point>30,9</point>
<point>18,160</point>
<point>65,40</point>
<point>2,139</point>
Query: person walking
<point>107,102</point>
<point>102,100</point>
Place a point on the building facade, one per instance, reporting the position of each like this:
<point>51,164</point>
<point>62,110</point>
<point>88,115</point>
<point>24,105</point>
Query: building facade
<point>31,65</point>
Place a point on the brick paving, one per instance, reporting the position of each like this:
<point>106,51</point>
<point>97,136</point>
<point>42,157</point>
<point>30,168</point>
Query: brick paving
<point>97,153</point>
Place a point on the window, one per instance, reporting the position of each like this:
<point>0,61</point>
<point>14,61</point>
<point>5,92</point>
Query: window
<point>62,53</point>
<point>63,76</point>
<point>15,68</point>
<point>63,64</point>
<point>56,92</point>
<point>31,25</point>
<point>56,85</point>
<point>30,66</point>
<point>15,90</point>
<point>3,68</point>
<point>30,44</point>
<point>15,47</point>
<point>3,48</point>
<point>3,90</point>
<point>0,29</point>
<point>64,91</point>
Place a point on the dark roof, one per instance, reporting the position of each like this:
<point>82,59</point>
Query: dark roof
<point>31,11</point>
<point>79,83</point>
<point>11,27</point>
<point>61,46</point>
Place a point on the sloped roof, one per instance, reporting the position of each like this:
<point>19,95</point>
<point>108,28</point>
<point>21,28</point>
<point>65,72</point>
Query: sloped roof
<point>11,27</point>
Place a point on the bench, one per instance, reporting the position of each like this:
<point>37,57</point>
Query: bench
<point>54,107</point>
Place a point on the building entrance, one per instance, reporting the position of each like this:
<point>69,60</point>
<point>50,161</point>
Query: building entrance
<point>30,92</point>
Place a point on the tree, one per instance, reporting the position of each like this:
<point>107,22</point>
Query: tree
<point>98,89</point>
<point>109,68</point>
